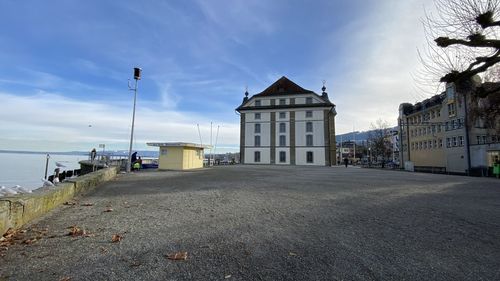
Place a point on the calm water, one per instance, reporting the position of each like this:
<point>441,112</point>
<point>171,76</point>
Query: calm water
<point>27,169</point>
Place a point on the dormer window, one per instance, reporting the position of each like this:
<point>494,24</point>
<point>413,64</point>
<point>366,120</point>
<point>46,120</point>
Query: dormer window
<point>309,100</point>
<point>282,101</point>
<point>257,102</point>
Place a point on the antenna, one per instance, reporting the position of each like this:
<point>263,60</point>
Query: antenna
<point>216,138</point>
<point>201,142</point>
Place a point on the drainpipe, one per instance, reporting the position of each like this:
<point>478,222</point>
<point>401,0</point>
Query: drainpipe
<point>467,146</point>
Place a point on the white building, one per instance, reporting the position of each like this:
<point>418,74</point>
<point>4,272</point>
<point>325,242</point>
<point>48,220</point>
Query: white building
<point>287,124</point>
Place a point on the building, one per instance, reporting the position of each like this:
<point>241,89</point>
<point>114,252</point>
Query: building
<point>434,136</point>
<point>179,155</point>
<point>289,125</point>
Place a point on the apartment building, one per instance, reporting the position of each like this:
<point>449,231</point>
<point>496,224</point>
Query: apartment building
<point>434,136</point>
<point>287,125</point>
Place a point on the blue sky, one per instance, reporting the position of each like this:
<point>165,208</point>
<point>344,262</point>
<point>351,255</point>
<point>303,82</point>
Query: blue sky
<point>66,65</point>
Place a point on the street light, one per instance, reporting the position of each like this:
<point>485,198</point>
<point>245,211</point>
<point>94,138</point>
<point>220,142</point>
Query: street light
<point>137,77</point>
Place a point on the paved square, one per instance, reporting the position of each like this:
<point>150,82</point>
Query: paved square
<point>272,223</point>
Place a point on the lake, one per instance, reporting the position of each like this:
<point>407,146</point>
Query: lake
<point>27,170</point>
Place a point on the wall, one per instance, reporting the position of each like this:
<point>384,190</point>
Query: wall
<point>192,160</point>
<point>172,160</point>
<point>16,211</point>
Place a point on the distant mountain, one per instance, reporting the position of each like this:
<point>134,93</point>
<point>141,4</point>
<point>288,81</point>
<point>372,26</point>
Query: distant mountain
<point>357,135</point>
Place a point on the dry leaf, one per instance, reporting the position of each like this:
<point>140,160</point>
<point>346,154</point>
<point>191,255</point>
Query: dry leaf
<point>292,254</point>
<point>76,231</point>
<point>116,238</point>
<point>10,232</point>
<point>178,256</point>
<point>88,204</point>
<point>29,241</point>
<point>70,203</point>
<point>108,210</point>
<point>65,279</point>
<point>227,276</point>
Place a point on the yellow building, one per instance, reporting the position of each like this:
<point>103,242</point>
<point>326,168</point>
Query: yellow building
<point>179,155</point>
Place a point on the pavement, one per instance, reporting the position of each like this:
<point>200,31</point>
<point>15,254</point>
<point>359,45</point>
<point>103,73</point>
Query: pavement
<point>269,223</point>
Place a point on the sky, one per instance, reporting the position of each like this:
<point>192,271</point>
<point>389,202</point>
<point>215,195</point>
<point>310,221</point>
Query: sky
<point>66,65</point>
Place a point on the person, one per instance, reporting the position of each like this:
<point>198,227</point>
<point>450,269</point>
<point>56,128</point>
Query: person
<point>56,176</point>
<point>346,162</point>
<point>93,154</point>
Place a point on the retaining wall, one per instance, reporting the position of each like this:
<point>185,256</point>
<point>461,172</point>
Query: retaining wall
<point>15,211</point>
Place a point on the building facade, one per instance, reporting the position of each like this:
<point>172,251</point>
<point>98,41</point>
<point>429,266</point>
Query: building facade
<point>179,155</point>
<point>288,125</point>
<point>434,136</point>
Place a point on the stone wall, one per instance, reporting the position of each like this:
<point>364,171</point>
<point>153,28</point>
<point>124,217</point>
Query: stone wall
<point>15,211</point>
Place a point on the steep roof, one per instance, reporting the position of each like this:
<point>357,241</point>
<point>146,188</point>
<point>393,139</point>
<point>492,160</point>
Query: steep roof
<point>283,86</point>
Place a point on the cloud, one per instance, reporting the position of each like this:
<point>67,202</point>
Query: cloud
<point>47,120</point>
<point>377,58</point>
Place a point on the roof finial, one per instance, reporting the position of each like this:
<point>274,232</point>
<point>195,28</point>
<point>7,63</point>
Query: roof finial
<point>324,87</point>
<point>245,99</point>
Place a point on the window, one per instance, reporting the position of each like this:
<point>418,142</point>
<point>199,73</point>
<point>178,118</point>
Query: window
<point>461,140</point>
<point>256,156</point>
<point>451,110</point>
<point>257,140</point>
<point>257,116</point>
<point>282,115</point>
<point>448,142</point>
<point>282,156</point>
<point>450,93</point>
<point>309,157</point>
<point>309,114</point>
<point>309,100</point>
<point>432,115</point>
<point>257,102</point>
<point>282,128</point>
<point>478,138</point>
<point>438,114</point>
<point>282,140</point>
<point>484,139</point>
<point>309,127</point>
<point>163,151</point>
<point>453,124</point>
<point>257,128</point>
<point>446,126</point>
<point>439,128</point>
<point>425,145</point>
<point>435,144</point>
<point>282,101</point>
<point>455,143</point>
<point>440,142</point>
<point>309,140</point>
<point>430,144</point>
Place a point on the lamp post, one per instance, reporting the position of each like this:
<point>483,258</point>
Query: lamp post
<point>137,77</point>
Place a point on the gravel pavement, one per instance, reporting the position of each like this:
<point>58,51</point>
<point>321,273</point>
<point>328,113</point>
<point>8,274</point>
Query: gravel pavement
<point>270,223</point>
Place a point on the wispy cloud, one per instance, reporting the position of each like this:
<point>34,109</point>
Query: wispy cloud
<point>46,119</point>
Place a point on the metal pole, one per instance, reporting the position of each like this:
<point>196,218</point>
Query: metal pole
<point>354,137</point>
<point>129,161</point>
<point>47,165</point>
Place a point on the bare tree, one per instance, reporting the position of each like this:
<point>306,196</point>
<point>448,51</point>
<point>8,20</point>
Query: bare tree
<point>379,139</point>
<point>462,41</point>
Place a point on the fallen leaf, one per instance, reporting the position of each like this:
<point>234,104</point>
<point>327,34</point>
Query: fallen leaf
<point>103,250</point>
<point>178,256</point>
<point>116,238</point>
<point>65,279</point>
<point>76,231</point>
<point>108,210</point>
<point>29,241</point>
<point>292,254</point>
<point>227,276</point>
<point>135,263</point>
<point>70,203</point>
<point>10,232</point>
<point>88,204</point>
